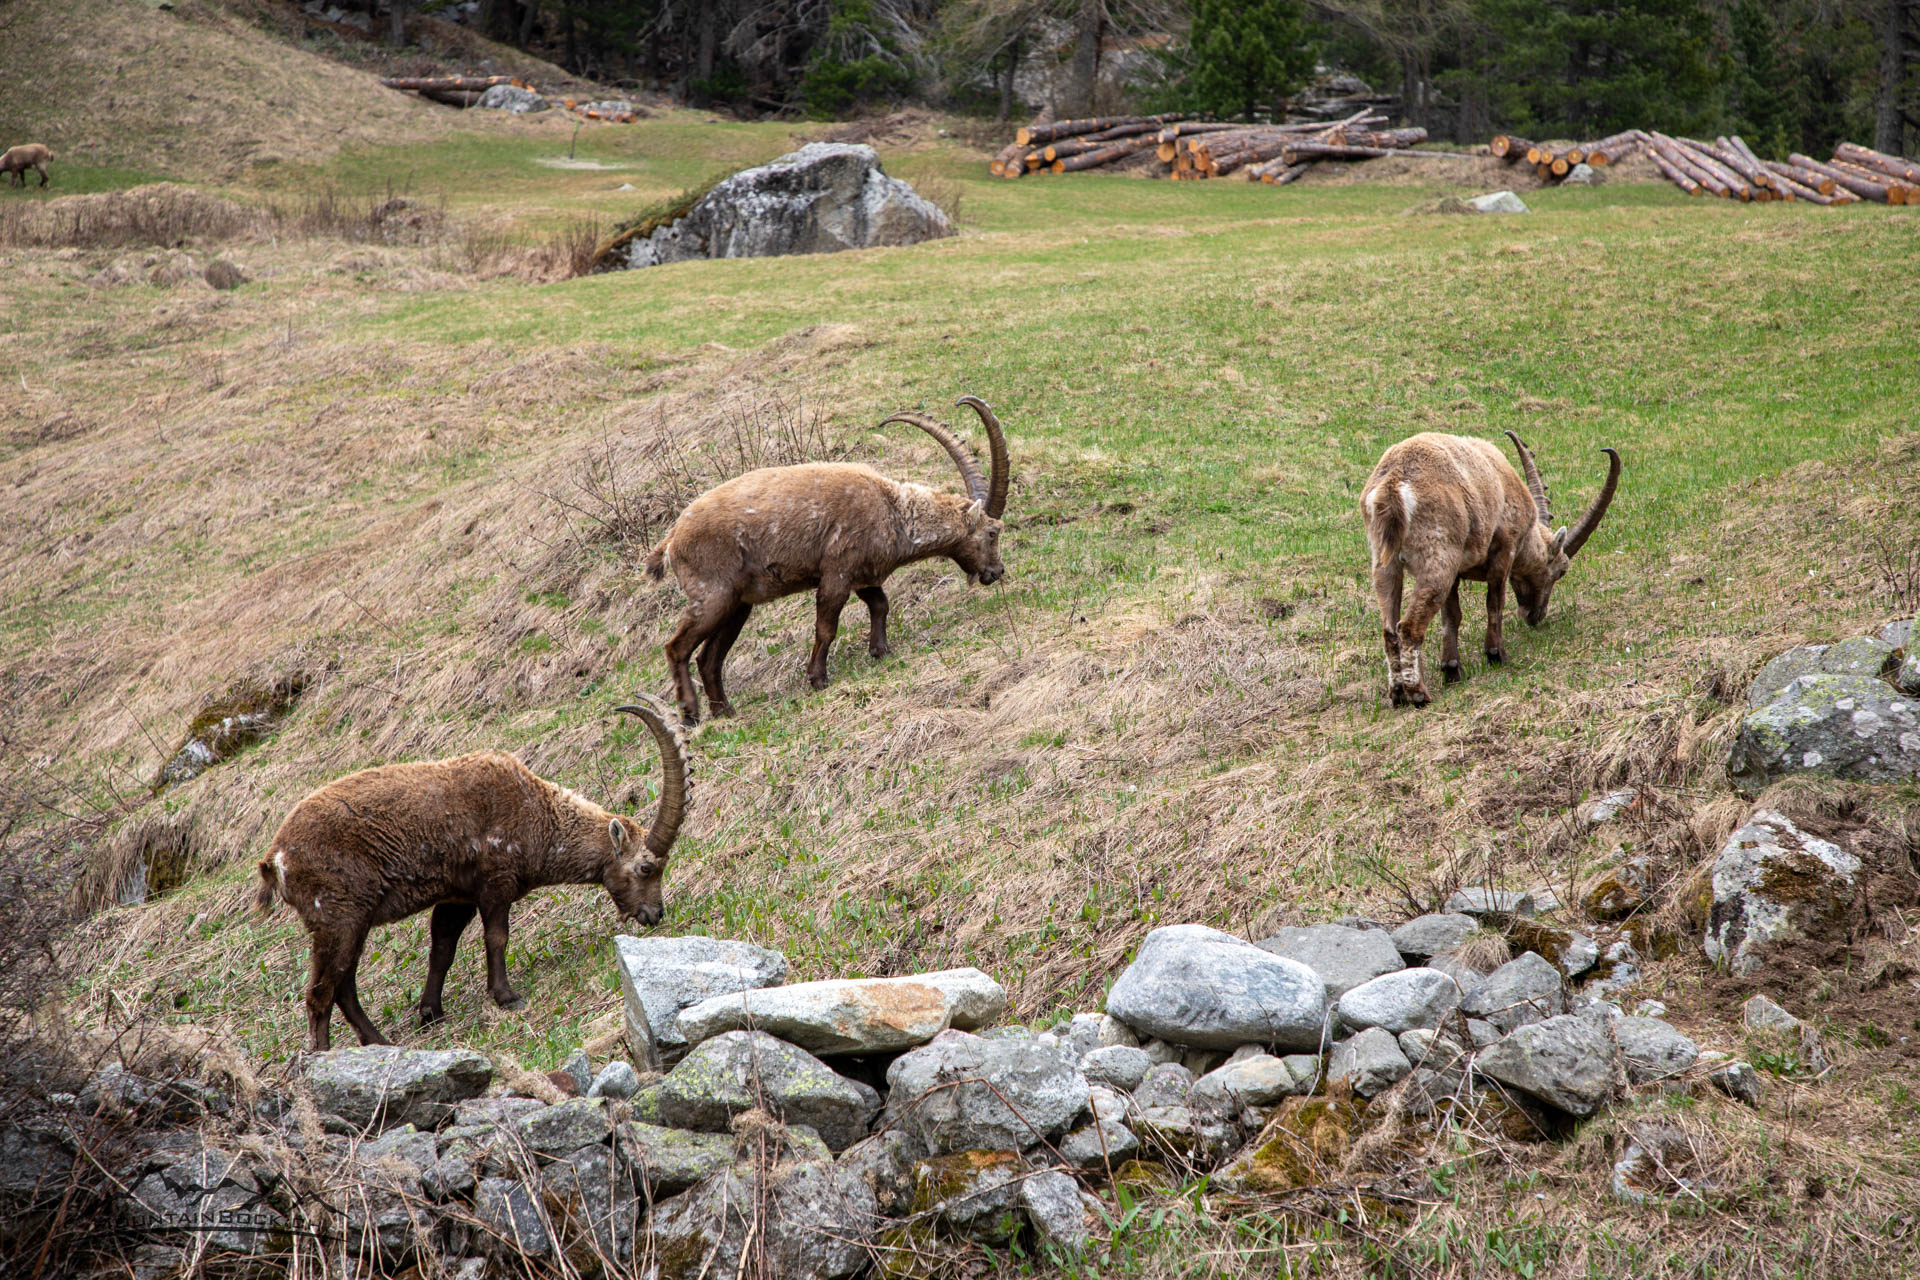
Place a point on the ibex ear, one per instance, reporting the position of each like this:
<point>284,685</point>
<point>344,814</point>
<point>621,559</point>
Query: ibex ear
<point>975,511</point>
<point>617,833</point>
<point>1560,537</point>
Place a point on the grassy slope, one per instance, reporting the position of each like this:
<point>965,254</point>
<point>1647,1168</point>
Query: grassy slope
<point>1173,710</point>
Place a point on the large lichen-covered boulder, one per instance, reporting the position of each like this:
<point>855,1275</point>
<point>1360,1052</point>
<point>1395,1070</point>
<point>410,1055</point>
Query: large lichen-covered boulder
<point>1773,883</point>
<point>1343,957</point>
<point>744,1070</point>
<point>382,1085</point>
<point>1566,1061</point>
<point>1200,987</point>
<point>854,1015</point>
<point>823,198</point>
<point>964,1092</point>
<point>814,1222</point>
<point>1861,656</point>
<point>1846,726</point>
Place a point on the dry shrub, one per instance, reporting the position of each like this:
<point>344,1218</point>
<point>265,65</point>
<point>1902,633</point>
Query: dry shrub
<point>162,214</point>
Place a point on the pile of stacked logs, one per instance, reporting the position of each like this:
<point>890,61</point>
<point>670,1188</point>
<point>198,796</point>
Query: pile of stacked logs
<point>454,91</point>
<point>1728,168</point>
<point>1551,163</point>
<point>1196,149</point>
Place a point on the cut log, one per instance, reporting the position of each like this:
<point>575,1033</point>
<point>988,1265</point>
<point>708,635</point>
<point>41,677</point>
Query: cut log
<point>1789,186</point>
<point>1898,192</point>
<point>1560,165</point>
<point>1865,188</point>
<point>1008,155</point>
<point>1819,182</point>
<point>1041,134</point>
<point>1613,147</point>
<point>1685,160</point>
<point>1508,147</point>
<point>1867,158</point>
<point>1674,175</point>
<point>1295,152</point>
<point>451,84</point>
<point>1106,155</point>
<point>1704,158</point>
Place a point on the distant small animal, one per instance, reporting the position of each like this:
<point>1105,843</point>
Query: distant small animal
<point>838,528</point>
<point>466,836</point>
<point>1446,508</point>
<point>29,155</point>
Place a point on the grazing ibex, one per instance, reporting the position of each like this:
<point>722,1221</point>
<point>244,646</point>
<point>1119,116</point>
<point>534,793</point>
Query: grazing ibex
<point>474,834</point>
<point>1450,507</point>
<point>838,527</point>
<point>18,160</point>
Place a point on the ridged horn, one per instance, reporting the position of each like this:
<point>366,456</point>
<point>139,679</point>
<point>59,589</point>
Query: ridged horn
<point>675,789</point>
<point>962,457</point>
<point>1535,484</point>
<point>1591,521</point>
<point>997,452</point>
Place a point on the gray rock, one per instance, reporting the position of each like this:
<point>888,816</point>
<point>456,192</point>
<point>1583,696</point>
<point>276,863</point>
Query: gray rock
<point>949,1094</point>
<point>1610,806</point>
<point>1497,202</point>
<point>1566,1062</point>
<point>1482,1032</point>
<point>671,1160</point>
<point>380,1086</point>
<point>1619,970</point>
<point>885,1163</point>
<point>1166,1085</point>
<point>450,1177</point>
<point>1650,1009</point>
<point>1210,990</point>
<point>1102,1145</point>
<point>1430,935</point>
<point>1258,1081</point>
<point>1653,1051</point>
<point>1852,727</point>
<point>975,1194</point>
<point>616,1080</point>
<point>579,1066</point>
<point>512,99</point>
<point>1401,1001</point>
<point>661,976</point>
<point>509,1213</point>
<point>1464,975</point>
<point>1896,633</point>
<point>1107,1104</point>
<point>1201,1061</point>
<point>1116,1065</point>
<point>592,1201</point>
<point>1492,905</point>
<point>1581,175</point>
<point>1862,656</point>
<point>823,198</point>
<point>1762,1014</point>
<point>1370,1061</point>
<point>1160,1051</point>
<point>1738,1081</point>
<point>1773,883</point>
<point>565,1126</point>
<point>736,1071</point>
<point>473,1113</point>
<point>1520,991</point>
<point>817,1223</point>
<point>1344,958</point>
<point>1424,1047</point>
<point>800,1144</point>
<point>854,1015</point>
<point>1660,1160</point>
<point>1052,1203</point>
<point>1906,678</point>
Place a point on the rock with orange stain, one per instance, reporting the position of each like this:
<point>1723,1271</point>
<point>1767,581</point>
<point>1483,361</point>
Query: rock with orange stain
<point>854,1015</point>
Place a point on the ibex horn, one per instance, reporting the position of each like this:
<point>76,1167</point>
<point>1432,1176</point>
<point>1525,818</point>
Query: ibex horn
<point>675,793</point>
<point>997,451</point>
<point>962,457</point>
<point>1591,521</point>
<point>1541,507</point>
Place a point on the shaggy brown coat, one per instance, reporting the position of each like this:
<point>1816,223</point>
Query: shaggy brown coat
<point>836,528</point>
<point>1446,508</point>
<point>466,836</point>
<point>17,160</point>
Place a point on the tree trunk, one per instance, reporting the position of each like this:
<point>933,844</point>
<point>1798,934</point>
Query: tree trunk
<point>397,30</point>
<point>1889,128</point>
<point>528,14</point>
<point>1006,83</point>
<point>1086,59</point>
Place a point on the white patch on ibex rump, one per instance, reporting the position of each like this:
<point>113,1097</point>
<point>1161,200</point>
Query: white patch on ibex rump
<point>1408,505</point>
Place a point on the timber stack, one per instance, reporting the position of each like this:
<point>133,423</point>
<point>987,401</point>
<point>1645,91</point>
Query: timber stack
<point>1066,146</point>
<point>1554,161</point>
<point>454,91</point>
<point>1728,168</point>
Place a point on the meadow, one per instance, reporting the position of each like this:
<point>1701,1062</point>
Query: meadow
<point>427,494</point>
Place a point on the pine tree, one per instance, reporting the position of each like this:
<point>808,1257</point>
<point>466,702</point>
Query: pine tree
<point>1245,53</point>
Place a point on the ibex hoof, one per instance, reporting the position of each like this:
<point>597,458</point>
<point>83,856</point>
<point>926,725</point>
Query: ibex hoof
<point>1450,672</point>
<point>720,710</point>
<point>818,682</point>
<point>1496,656</point>
<point>1398,694</point>
<point>430,1014</point>
<point>513,1003</point>
<point>1418,696</point>
<point>880,651</point>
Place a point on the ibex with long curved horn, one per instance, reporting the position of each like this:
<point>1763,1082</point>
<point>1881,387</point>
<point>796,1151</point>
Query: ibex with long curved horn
<point>838,528</point>
<point>1450,507</point>
<point>466,836</point>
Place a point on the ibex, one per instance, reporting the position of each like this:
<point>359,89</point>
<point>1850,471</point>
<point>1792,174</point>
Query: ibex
<point>1446,508</point>
<point>18,160</point>
<point>474,834</point>
<point>840,528</point>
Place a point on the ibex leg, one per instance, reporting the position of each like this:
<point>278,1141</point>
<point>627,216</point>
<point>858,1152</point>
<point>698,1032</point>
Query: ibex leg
<point>1450,650</point>
<point>1496,608</point>
<point>826,625</point>
<point>494,922</point>
<point>444,926</point>
<point>713,659</point>
<point>700,619</point>
<point>1386,588</point>
<point>876,602</point>
<point>1429,597</point>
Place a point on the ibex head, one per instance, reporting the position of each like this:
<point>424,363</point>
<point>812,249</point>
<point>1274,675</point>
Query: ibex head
<point>978,553</point>
<point>1550,552</point>
<point>636,860</point>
